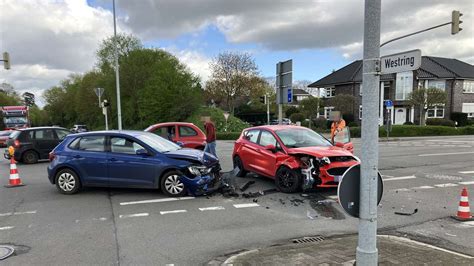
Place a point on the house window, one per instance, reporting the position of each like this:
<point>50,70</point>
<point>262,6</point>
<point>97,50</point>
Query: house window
<point>438,84</point>
<point>436,112</point>
<point>327,111</point>
<point>404,85</point>
<point>330,92</point>
<point>360,112</point>
<point>468,86</point>
<point>468,108</point>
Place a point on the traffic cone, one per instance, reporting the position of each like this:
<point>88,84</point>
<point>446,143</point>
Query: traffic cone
<point>14,180</point>
<point>464,213</point>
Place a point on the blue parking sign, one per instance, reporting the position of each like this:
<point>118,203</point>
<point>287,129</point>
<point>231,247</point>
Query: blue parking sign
<point>388,103</point>
<point>290,95</point>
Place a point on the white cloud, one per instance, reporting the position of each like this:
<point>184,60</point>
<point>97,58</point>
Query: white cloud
<point>47,40</point>
<point>196,62</point>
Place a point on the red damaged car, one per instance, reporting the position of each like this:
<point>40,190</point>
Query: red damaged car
<point>296,157</point>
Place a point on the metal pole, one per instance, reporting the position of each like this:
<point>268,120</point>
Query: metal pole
<point>106,119</point>
<point>117,76</point>
<point>268,109</point>
<point>280,114</point>
<point>367,253</point>
<point>417,32</point>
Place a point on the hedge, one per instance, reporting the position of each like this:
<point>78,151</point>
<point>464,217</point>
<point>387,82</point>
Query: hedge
<point>418,131</point>
<point>227,135</point>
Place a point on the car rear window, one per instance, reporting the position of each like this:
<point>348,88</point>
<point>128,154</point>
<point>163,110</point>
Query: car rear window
<point>88,143</point>
<point>185,131</point>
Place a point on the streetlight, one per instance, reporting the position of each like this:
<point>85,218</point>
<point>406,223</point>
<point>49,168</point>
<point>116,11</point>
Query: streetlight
<point>117,76</point>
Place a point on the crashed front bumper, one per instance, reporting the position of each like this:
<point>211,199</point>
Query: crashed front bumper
<point>200,185</point>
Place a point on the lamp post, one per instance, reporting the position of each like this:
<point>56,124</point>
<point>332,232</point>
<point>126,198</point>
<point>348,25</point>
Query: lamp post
<point>117,75</point>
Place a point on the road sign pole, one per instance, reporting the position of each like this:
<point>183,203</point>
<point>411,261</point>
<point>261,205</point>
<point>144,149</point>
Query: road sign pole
<point>367,253</point>
<point>117,73</point>
<point>267,99</point>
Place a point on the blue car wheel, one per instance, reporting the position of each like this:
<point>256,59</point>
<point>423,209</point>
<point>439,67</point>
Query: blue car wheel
<point>171,185</point>
<point>67,181</point>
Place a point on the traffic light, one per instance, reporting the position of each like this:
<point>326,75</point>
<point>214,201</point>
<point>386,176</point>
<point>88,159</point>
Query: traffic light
<point>263,99</point>
<point>6,60</point>
<point>455,22</point>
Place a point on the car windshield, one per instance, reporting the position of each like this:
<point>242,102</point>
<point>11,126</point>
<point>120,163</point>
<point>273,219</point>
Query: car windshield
<point>158,143</point>
<point>301,137</point>
<point>15,120</point>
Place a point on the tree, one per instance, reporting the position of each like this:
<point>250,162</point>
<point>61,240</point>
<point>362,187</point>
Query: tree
<point>233,77</point>
<point>342,102</point>
<point>425,99</point>
<point>106,52</point>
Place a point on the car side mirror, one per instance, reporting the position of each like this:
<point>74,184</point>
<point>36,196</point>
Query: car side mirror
<point>142,152</point>
<point>271,148</point>
<point>339,144</point>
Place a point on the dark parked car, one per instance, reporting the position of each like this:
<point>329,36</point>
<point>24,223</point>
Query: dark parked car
<point>135,159</point>
<point>35,143</point>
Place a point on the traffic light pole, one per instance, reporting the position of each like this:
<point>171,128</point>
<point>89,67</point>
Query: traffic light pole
<point>117,75</point>
<point>367,253</point>
<point>267,98</point>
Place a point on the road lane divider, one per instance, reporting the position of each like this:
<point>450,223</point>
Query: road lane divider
<point>423,187</point>
<point>16,213</point>
<point>217,208</point>
<point>399,178</point>
<point>466,183</point>
<point>466,172</point>
<point>6,228</point>
<point>446,185</point>
<point>246,205</point>
<point>143,214</point>
<point>155,200</point>
<point>175,211</point>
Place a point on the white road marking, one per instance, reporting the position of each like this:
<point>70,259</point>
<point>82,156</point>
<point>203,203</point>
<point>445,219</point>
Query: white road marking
<point>155,200</point>
<point>402,189</point>
<point>423,187</point>
<point>246,205</point>
<point>387,176</point>
<point>6,228</point>
<point>466,172</point>
<point>446,185</point>
<point>17,213</point>
<point>468,224</point>
<point>217,208</point>
<point>400,178</point>
<point>441,154</point>
<point>175,211</point>
<point>466,183</point>
<point>143,214</point>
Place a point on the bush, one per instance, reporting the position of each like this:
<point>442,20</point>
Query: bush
<point>320,122</point>
<point>417,131</point>
<point>291,110</point>
<point>228,135</point>
<point>353,124</point>
<point>439,122</point>
<point>297,117</point>
<point>461,118</point>
<point>217,116</point>
<point>349,118</point>
<point>408,123</point>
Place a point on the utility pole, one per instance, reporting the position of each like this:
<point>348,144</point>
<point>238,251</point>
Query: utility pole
<point>367,253</point>
<point>117,75</point>
<point>267,100</point>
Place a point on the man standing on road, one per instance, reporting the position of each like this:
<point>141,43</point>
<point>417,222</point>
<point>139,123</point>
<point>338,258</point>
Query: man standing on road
<point>210,136</point>
<point>338,124</point>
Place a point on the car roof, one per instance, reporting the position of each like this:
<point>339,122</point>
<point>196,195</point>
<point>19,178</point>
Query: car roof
<point>276,127</point>
<point>34,128</point>
<point>132,133</point>
<point>174,123</point>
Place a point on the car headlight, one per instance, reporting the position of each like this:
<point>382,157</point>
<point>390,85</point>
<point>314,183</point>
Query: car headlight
<point>199,170</point>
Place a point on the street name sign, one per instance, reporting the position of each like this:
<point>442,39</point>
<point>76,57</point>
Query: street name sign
<point>348,191</point>
<point>401,62</point>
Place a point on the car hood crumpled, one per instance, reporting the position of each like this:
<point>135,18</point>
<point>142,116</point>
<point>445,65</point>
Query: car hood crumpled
<point>320,151</point>
<point>204,158</point>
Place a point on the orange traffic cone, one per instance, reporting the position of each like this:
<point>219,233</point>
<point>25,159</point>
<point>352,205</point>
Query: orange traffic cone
<point>464,213</point>
<point>14,180</point>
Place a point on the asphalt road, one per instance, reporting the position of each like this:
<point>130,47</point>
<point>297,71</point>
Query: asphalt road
<point>141,227</point>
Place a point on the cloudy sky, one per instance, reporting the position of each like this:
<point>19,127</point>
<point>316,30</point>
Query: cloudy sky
<point>49,39</point>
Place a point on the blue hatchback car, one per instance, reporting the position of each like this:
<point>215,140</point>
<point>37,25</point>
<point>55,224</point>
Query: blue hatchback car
<point>132,159</point>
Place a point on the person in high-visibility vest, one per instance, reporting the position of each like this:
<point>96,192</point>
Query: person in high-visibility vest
<point>337,126</point>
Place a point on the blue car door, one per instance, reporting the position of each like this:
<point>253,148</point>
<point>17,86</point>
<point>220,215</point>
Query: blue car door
<point>88,156</point>
<point>128,169</point>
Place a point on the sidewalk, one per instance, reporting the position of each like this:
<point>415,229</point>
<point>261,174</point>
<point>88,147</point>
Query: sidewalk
<point>341,251</point>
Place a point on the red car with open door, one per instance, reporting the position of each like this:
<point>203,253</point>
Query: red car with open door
<point>296,157</point>
<point>186,134</point>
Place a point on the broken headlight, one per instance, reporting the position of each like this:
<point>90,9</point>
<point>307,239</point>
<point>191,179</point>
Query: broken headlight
<point>199,170</point>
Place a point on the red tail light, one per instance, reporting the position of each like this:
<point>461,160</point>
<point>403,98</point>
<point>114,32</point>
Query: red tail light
<point>16,144</point>
<point>52,156</point>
